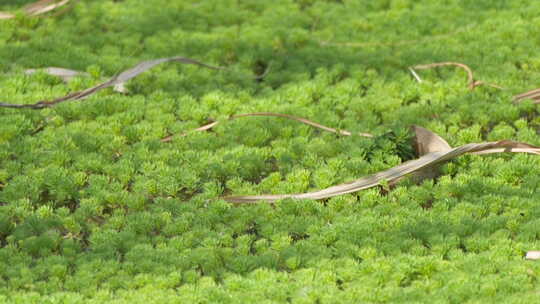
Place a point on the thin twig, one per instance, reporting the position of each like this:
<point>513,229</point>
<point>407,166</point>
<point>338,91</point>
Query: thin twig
<point>66,9</point>
<point>299,119</point>
<point>478,83</point>
<point>440,64</point>
<point>199,129</point>
<point>470,77</point>
<point>533,94</point>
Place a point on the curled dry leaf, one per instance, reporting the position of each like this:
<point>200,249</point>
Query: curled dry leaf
<point>533,255</point>
<point>37,8</point>
<point>470,77</point>
<point>425,142</point>
<point>428,160</point>
<point>115,81</point>
<point>533,94</point>
<point>299,119</point>
<point>65,74</point>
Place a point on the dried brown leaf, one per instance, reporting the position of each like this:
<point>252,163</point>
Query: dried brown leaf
<point>426,141</point>
<point>392,174</point>
<point>120,79</point>
<point>299,119</point>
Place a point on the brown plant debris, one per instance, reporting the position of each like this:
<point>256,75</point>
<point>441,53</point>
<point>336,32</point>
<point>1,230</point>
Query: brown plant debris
<point>533,94</point>
<point>472,83</point>
<point>299,119</point>
<point>425,142</point>
<point>436,152</point>
<point>37,8</point>
<point>117,81</point>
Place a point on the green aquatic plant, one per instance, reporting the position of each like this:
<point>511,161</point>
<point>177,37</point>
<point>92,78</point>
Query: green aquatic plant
<point>94,207</point>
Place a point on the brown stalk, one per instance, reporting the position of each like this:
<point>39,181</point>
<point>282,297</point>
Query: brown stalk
<point>299,119</point>
<point>436,150</point>
<point>533,94</point>
<point>470,77</point>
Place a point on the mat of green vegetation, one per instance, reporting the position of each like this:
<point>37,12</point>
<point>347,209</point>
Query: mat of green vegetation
<point>94,208</point>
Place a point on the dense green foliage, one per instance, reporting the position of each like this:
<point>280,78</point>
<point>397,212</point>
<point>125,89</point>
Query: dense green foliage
<point>93,207</point>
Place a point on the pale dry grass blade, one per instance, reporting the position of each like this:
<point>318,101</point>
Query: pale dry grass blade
<point>117,81</point>
<point>515,147</point>
<point>304,121</point>
<point>415,75</point>
<point>392,174</point>
<point>65,74</point>
<point>43,6</point>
